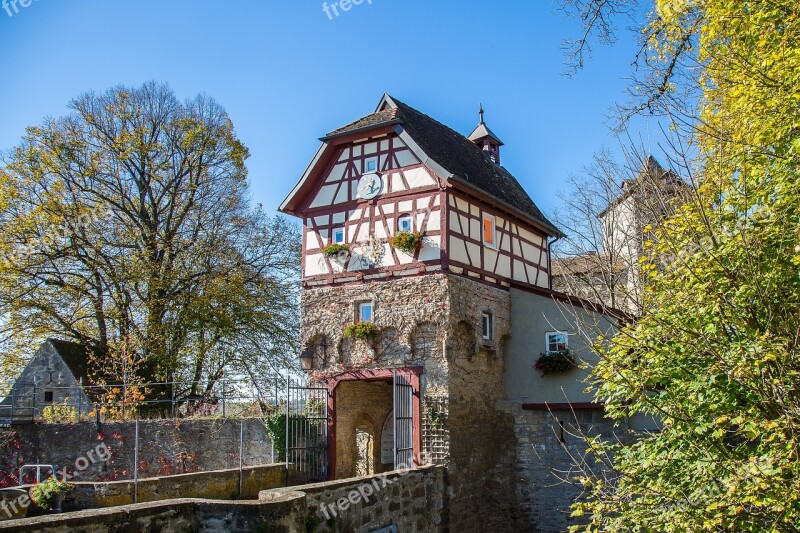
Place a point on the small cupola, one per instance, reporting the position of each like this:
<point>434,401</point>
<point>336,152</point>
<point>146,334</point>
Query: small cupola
<point>486,139</point>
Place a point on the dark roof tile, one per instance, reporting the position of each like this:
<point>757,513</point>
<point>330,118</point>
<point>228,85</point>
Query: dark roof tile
<point>386,116</point>
<point>468,161</point>
<point>75,356</point>
<point>456,154</point>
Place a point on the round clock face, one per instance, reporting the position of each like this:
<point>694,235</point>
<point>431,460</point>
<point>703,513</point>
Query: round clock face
<point>370,186</point>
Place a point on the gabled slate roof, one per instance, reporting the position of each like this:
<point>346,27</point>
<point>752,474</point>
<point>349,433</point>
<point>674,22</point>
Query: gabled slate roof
<point>467,161</point>
<point>460,157</point>
<point>75,356</point>
<point>452,154</point>
<point>380,118</point>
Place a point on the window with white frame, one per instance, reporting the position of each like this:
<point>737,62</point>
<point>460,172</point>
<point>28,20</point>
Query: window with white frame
<point>370,165</point>
<point>557,341</point>
<point>405,223</point>
<point>487,325</point>
<point>488,231</point>
<point>365,312</point>
<point>338,235</point>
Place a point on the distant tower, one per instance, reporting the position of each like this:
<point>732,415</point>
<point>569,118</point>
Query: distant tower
<point>486,139</point>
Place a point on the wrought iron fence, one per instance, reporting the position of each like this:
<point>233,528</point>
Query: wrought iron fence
<point>169,428</point>
<point>306,433</point>
<point>32,402</point>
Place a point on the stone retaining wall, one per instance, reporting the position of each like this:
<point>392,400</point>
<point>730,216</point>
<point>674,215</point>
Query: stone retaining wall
<point>412,500</point>
<point>217,484</point>
<point>543,462</point>
<point>176,516</point>
<point>166,447</point>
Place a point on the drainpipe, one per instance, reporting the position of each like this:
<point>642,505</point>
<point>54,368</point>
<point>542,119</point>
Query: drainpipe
<point>550,261</point>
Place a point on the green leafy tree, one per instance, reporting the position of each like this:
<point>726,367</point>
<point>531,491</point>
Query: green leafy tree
<point>715,353</point>
<point>126,227</point>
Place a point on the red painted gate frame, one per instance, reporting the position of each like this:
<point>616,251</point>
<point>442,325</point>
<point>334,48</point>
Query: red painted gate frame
<point>412,373</point>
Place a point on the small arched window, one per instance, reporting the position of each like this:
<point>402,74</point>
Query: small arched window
<point>405,223</point>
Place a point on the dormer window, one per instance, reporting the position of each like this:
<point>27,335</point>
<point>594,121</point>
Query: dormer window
<point>338,235</point>
<point>370,165</point>
<point>405,223</point>
<point>489,232</point>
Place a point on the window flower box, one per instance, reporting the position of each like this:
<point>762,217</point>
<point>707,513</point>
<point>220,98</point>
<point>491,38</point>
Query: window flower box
<point>361,330</point>
<point>555,362</point>
<point>407,241</point>
<point>336,251</point>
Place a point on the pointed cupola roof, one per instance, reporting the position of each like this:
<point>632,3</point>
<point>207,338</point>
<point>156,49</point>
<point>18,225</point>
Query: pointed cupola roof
<point>483,131</point>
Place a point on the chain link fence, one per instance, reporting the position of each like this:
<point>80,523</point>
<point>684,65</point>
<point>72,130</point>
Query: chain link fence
<point>144,431</point>
<point>50,403</point>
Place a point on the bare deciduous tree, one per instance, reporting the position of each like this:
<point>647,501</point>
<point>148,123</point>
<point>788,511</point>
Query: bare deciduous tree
<point>608,215</point>
<point>128,225</point>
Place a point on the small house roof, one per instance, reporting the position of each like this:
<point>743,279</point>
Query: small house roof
<point>75,356</point>
<point>483,131</point>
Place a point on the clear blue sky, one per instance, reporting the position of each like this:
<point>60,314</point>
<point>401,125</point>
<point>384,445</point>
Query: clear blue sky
<point>287,74</point>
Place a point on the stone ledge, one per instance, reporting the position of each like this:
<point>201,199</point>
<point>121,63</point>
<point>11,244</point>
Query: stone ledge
<point>185,508</point>
<point>313,488</point>
<point>281,510</point>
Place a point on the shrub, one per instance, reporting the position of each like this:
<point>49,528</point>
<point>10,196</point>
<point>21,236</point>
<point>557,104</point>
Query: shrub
<point>555,362</point>
<point>44,494</point>
<point>115,404</point>
<point>407,241</point>
<point>361,330</point>
<point>301,429</point>
<point>60,413</point>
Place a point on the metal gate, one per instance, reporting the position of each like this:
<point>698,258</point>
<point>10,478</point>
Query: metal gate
<point>403,422</point>
<point>306,433</point>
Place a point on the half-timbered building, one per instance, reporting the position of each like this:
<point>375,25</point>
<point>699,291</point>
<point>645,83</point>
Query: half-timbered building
<point>457,316</point>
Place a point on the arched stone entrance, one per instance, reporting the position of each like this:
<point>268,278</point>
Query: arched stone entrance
<point>359,404</point>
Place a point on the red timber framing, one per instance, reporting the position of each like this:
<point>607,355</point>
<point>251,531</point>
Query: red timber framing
<point>354,170</point>
<point>504,237</point>
<point>531,273</point>
<point>411,373</point>
<point>376,213</point>
<point>320,167</point>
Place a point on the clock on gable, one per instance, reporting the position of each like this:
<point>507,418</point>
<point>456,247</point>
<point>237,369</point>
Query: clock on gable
<point>370,186</point>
